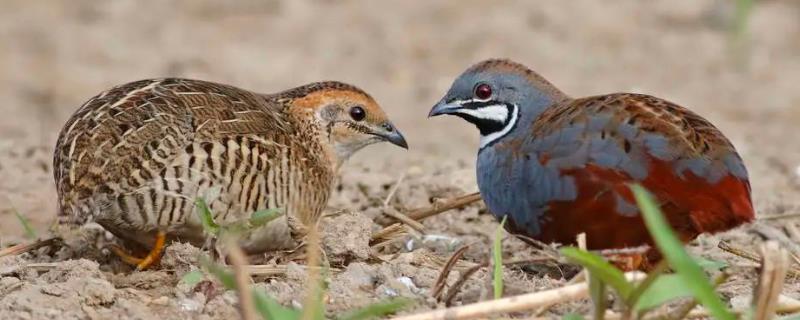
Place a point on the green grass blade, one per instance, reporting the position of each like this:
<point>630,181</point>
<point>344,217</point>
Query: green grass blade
<point>663,289</point>
<point>378,309</point>
<point>708,264</point>
<point>268,308</point>
<point>658,271</point>
<point>497,257</point>
<point>572,316</point>
<point>192,278</point>
<point>206,218</point>
<point>600,269</point>
<point>223,275</point>
<point>673,251</point>
<point>30,232</point>
<point>262,217</point>
<point>265,305</point>
<point>597,292</point>
<point>743,12</point>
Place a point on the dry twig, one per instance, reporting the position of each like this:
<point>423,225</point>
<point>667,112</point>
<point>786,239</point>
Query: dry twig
<point>780,216</point>
<point>792,231</point>
<point>443,206</point>
<point>28,247</point>
<point>313,255</point>
<point>513,304</point>
<point>39,267</point>
<point>774,263</point>
<point>773,233</point>
<point>413,224</point>
<point>741,252</point>
<point>246,304</point>
<point>274,270</point>
<point>451,293</point>
<point>442,279</point>
<point>387,233</point>
<point>394,189</point>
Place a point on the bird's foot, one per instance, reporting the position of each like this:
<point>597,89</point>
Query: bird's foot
<point>633,259</point>
<point>150,259</point>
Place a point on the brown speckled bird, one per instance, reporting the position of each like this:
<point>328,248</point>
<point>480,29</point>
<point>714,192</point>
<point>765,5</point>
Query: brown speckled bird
<point>134,158</point>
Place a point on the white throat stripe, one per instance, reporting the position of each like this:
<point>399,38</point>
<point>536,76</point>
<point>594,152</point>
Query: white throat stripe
<point>489,138</point>
<point>496,112</point>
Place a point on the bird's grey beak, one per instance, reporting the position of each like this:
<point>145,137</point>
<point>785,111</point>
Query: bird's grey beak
<point>444,108</point>
<point>392,135</point>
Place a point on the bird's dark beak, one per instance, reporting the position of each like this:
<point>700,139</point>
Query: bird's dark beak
<point>392,135</point>
<point>444,108</point>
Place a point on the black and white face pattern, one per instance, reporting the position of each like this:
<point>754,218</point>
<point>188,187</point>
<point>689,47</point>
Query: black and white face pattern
<point>494,119</point>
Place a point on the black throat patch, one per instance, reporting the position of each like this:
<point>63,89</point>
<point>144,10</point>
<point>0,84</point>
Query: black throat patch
<point>486,126</point>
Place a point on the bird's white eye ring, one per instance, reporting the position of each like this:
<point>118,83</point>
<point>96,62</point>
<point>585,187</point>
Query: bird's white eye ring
<point>483,91</point>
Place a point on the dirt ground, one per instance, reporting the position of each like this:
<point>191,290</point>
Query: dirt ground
<point>54,55</point>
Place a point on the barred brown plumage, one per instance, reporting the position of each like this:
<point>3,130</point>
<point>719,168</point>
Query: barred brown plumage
<point>135,157</point>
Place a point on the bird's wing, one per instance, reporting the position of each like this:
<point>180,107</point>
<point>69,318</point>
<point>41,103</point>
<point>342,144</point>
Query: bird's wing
<point>603,143</point>
<point>128,125</point>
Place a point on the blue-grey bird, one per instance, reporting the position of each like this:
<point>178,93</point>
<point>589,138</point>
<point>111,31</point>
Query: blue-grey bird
<point>559,166</point>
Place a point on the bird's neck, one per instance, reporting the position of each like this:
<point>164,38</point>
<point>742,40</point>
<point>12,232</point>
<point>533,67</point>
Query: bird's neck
<point>519,116</point>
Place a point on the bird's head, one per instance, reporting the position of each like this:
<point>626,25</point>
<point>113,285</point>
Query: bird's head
<point>346,116</point>
<point>495,95</point>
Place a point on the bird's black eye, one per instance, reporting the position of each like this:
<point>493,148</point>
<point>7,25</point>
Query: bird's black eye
<point>357,113</point>
<point>483,91</point>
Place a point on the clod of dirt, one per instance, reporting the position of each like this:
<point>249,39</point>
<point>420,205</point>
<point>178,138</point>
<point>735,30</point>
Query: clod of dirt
<point>180,257</point>
<point>61,293</point>
<point>345,237</point>
<point>72,269</point>
<point>354,287</point>
<point>142,280</point>
<point>295,271</point>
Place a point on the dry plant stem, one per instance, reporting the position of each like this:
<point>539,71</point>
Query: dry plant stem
<point>513,304</point>
<point>266,270</point>
<point>543,247</point>
<point>238,261</point>
<point>469,272</point>
<point>794,234</point>
<point>38,267</point>
<point>313,260</point>
<point>725,246</point>
<point>442,279</point>
<point>387,233</point>
<point>451,293</point>
<point>781,216</point>
<point>413,224</point>
<point>783,307</point>
<point>774,263</point>
<point>793,231</point>
<point>773,233</point>
<point>423,213</point>
<point>394,189</point>
<point>450,204</point>
<point>28,247</point>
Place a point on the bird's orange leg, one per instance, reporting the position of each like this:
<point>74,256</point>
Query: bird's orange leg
<point>152,257</point>
<point>632,259</point>
<point>628,262</point>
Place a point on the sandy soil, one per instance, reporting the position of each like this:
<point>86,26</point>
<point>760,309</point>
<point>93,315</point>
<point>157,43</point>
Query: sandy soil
<point>57,54</point>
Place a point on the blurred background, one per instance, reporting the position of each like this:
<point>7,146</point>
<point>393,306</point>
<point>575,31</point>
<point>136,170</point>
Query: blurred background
<point>736,64</point>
